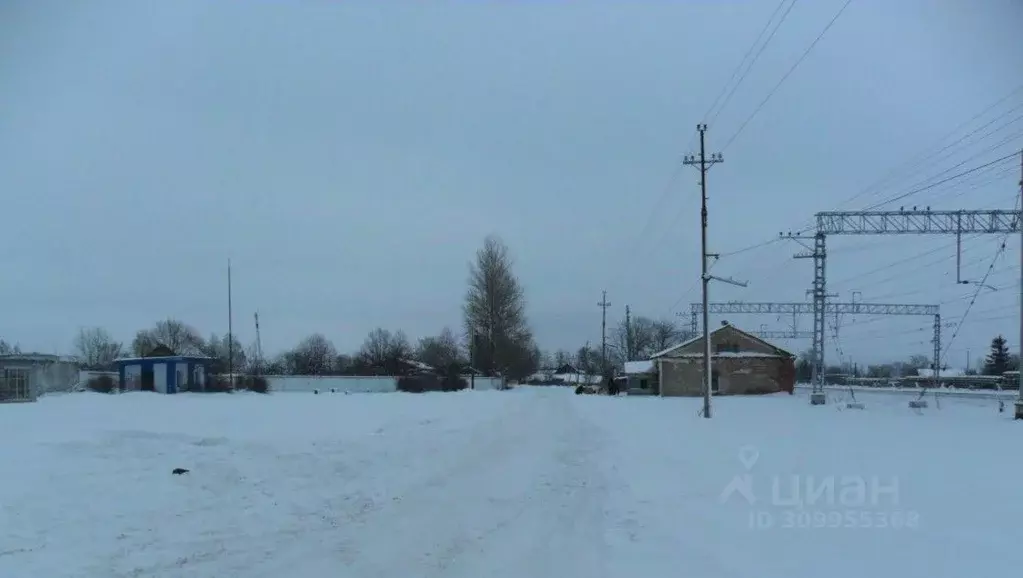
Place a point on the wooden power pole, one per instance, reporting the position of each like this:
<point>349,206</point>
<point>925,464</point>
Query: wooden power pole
<point>603,332</point>
<point>628,334</point>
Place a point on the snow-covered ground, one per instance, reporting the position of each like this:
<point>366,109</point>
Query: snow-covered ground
<point>530,482</point>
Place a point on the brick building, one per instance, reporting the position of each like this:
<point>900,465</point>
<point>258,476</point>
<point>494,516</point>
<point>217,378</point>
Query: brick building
<point>741,363</point>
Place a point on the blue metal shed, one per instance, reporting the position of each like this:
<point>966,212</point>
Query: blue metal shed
<point>164,373</point>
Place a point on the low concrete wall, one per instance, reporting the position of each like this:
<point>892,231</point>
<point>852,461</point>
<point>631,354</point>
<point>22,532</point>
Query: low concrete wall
<point>341,383</point>
<point>355,384</point>
<point>485,383</point>
<point>85,375</point>
<point>53,378</point>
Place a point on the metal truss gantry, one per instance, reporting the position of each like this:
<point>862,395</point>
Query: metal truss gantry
<point>901,222</point>
<point>830,308</point>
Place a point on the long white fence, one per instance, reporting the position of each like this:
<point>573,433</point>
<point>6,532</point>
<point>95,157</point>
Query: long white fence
<point>1005,395</point>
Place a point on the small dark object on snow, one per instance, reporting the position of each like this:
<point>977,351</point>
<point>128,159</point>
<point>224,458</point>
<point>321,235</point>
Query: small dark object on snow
<point>579,390</point>
<point>316,392</point>
<point>612,387</point>
<point>179,471</point>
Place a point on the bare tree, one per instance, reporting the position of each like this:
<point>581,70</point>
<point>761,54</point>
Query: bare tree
<point>278,365</point>
<point>643,338</point>
<point>221,350</point>
<point>665,335</point>
<point>587,360</point>
<point>546,360</point>
<point>383,349</point>
<point>919,361</point>
<point>8,349</point>
<point>495,315</point>
<point>315,355</point>
<point>343,364</point>
<point>176,335</point>
<point>562,358</point>
<point>96,349</point>
<point>441,351</point>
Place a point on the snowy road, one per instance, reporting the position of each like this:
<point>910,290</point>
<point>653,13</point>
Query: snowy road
<point>533,482</point>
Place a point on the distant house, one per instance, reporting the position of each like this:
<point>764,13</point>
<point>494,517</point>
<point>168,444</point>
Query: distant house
<point>26,376</point>
<point>163,371</point>
<point>567,368</point>
<point>640,377</point>
<point>741,363</point>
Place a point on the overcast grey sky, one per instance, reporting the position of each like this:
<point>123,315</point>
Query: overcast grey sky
<point>350,157</point>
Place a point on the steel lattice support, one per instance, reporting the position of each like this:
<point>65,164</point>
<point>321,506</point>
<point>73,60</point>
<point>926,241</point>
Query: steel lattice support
<point>937,349</point>
<point>901,222</point>
<point>916,222</point>
<point>803,308</point>
<point>819,310</point>
<point>829,308</point>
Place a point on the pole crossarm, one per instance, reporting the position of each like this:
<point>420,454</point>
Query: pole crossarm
<point>741,307</point>
<point>782,334</point>
<point>917,222</point>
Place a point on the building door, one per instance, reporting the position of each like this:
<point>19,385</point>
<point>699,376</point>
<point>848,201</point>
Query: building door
<point>180,377</point>
<point>714,382</point>
<point>160,377</point>
<point>146,379</point>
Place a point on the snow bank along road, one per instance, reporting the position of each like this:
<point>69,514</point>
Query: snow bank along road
<point>531,482</point>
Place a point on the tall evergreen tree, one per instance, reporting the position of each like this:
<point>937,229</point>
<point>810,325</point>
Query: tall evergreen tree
<point>997,361</point>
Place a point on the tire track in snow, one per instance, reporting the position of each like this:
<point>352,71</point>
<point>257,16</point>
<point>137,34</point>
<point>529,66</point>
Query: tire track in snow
<point>518,497</point>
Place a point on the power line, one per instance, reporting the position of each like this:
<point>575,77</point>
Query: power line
<point>756,57</point>
<point>914,161</point>
<point>942,181</point>
<point>991,148</point>
<point>919,158</point>
<point>660,199</point>
<point>735,72</point>
<point>980,287</point>
<point>787,74</point>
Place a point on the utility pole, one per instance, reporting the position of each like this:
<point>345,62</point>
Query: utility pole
<point>704,163</point>
<point>259,348</point>
<point>472,359</point>
<point>230,332</point>
<point>603,332</point>
<point>587,363</point>
<point>1019,225</point>
<point>628,334</point>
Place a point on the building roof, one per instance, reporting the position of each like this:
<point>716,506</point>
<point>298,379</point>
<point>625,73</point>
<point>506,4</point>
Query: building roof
<point>159,358</point>
<point>753,354</point>
<point>948,372</point>
<point>779,352</point>
<point>634,367</point>
<point>39,358</point>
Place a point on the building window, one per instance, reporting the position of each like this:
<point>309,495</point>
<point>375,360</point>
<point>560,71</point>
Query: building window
<point>643,384</point>
<point>15,385</point>
<point>726,348</point>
